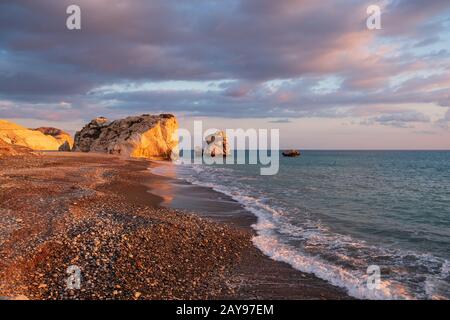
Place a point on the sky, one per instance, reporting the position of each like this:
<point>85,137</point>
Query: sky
<point>311,69</point>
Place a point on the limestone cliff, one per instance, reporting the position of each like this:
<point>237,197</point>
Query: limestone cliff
<point>21,136</point>
<point>146,136</point>
<point>64,139</point>
<point>7,149</point>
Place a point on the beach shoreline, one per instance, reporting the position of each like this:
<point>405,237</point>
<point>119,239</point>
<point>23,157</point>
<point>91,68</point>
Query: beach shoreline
<point>107,216</point>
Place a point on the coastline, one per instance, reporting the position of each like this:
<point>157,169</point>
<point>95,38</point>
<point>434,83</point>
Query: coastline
<point>257,276</point>
<point>107,215</point>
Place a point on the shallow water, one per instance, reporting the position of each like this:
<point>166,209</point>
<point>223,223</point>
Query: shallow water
<point>334,213</point>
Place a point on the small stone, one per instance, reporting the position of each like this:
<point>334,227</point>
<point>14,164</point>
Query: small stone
<point>137,294</point>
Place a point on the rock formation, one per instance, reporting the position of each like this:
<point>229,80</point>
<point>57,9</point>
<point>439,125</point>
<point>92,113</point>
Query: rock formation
<point>17,135</point>
<point>65,147</point>
<point>217,144</point>
<point>146,136</point>
<point>7,149</point>
<point>64,139</point>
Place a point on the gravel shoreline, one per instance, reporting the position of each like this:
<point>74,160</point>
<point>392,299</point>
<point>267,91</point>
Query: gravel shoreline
<point>94,212</point>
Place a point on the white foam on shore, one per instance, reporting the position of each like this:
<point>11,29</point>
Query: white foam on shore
<point>355,283</point>
<point>270,224</point>
<point>274,248</point>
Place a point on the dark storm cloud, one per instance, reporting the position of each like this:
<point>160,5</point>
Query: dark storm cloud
<point>250,42</point>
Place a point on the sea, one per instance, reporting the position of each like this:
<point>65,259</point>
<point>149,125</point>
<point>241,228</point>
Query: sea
<point>376,223</point>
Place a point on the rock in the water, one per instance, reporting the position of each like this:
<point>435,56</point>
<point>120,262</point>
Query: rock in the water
<point>64,139</point>
<point>291,153</point>
<point>217,144</point>
<point>146,136</point>
<point>17,135</point>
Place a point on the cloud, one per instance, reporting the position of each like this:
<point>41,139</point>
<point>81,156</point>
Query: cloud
<point>280,121</point>
<point>269,56</point>
<point>424,132</point>
<point>412,17</point>
<point>444,122</point>
<point>447,115</point>
<point>427,41</point>
<point>404,119</point>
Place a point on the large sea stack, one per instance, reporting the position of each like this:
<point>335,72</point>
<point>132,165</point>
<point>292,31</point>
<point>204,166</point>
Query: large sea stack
<point>146,136</point>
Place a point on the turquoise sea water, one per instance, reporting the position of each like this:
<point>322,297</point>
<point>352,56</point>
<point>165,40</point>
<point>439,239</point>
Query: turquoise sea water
<point>334,213</point>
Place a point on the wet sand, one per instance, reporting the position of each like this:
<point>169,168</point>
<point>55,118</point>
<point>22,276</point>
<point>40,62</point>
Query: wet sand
<point>112,219</point>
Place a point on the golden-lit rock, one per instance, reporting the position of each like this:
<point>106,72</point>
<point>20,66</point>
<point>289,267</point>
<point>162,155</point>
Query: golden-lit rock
<point>17,135</point>
<point>64,139</point>
<point>146,136</point>
<point>7,149</point>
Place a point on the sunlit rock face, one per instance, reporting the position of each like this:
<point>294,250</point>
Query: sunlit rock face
<point>217,144</point>
<point>17,135</point>
<point>146,136</point>
<point>7,149</point>
<point>64,139</point>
